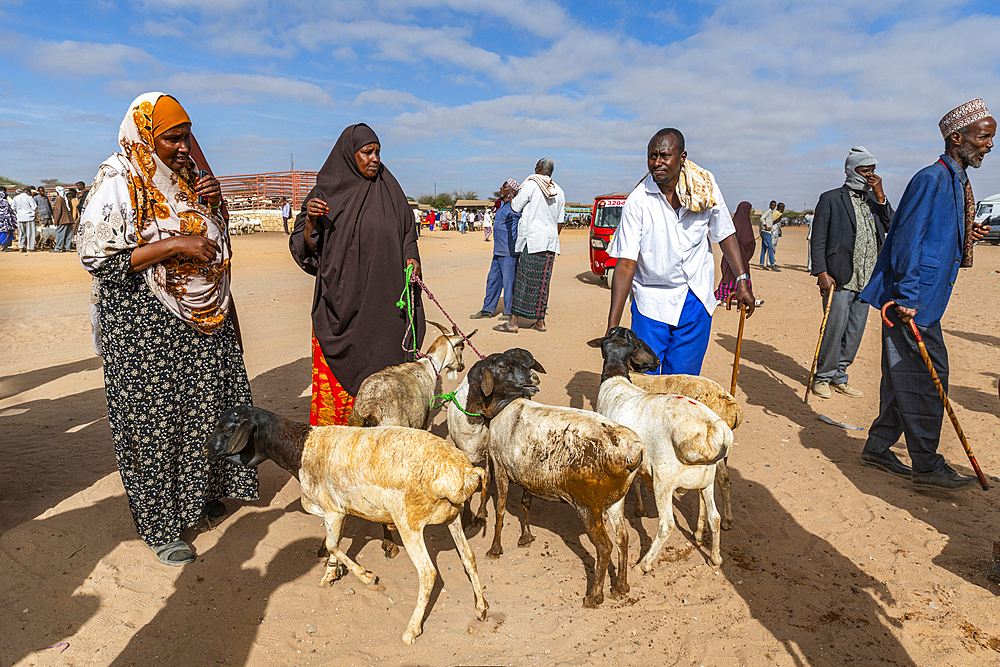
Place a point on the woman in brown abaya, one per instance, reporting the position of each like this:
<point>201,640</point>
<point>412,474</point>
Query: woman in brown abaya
<point>356,234</point>
<point>745,237</point>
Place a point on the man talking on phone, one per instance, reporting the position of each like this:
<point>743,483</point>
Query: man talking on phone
<point>847,232</point>
<point>931,236</point>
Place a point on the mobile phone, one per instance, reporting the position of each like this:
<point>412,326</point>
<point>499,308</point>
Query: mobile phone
<point>201,174</point>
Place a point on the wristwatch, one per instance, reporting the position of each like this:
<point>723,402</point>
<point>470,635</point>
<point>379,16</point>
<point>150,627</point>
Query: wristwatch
<point>743,276</point>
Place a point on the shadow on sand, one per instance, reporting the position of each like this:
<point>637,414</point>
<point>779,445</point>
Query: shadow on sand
<point>955,514</point>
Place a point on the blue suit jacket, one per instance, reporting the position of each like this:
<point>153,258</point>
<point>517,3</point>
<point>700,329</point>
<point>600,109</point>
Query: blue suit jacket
<point>505,230</point>
<point>919,260</point>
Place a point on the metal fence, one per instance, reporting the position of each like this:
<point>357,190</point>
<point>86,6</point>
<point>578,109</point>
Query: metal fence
<point>252,192</point>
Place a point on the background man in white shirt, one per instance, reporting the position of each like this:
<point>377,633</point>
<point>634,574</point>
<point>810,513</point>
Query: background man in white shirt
<point>665,258</point>
<point>24,209</point>
<point>542,206</point>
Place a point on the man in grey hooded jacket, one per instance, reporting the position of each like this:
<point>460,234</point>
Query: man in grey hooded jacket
<point>847,232</point>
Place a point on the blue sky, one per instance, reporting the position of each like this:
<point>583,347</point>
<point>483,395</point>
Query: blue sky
<point>464,94</point>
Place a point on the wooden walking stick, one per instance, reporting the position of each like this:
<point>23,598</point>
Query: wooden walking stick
<point>941,393</point>
<point>739,341</point>
<point>819,343</point>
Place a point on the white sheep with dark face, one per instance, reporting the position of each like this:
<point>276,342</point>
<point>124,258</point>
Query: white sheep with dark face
<point>683,439</point>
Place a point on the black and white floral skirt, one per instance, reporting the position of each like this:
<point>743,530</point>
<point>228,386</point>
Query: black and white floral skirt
<point>167,384</point>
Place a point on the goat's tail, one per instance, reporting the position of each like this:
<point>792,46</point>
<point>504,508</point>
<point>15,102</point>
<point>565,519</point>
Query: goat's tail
<point>458,484</point>
<point>706,449</point>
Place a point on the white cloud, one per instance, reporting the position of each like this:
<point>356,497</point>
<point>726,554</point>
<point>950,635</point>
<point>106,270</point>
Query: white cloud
<point>389,98</point>
<point>231,89</point>
<point>70,59</point>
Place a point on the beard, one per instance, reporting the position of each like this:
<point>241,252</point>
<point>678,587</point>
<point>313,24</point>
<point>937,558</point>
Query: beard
<point>970,155</point>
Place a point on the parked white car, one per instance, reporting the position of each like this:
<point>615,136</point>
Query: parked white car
<point>990,208</point>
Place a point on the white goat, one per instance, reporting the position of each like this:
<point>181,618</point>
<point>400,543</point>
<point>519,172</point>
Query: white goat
<point>720,401</point>
<point>683,438</point>
<point>391,475</point>
<point>559,454</point>
<point>401,395</point>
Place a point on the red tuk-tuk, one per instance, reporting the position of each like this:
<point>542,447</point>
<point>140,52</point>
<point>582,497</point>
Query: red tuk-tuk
<point>604,221</point>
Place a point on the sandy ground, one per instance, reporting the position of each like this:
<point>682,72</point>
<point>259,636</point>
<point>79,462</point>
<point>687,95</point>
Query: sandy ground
<point>828,563</point>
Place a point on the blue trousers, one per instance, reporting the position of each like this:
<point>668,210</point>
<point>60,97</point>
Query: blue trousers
<point>681,348</point>
<point>908,402</point>
<point>766,247</point>
<point>500,277</point>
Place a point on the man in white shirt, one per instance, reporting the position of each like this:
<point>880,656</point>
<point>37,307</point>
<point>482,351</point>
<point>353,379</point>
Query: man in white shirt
<point>769,232</point>
<point>24,208</point>
<point>542,206</point>
<point>665,258</point>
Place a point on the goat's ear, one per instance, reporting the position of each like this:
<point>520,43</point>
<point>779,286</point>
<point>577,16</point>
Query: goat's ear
<point>469,336</point>
<point>443,330</point>
<point>597,342</point>
<point>239,439</point>
<point>486,382</point>
<point>535,366</point>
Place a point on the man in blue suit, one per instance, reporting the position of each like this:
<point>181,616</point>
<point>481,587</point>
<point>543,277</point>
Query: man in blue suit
<point>504,265</point>
<point>931,236</point>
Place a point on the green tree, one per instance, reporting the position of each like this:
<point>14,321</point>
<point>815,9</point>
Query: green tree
<point>10,182</point>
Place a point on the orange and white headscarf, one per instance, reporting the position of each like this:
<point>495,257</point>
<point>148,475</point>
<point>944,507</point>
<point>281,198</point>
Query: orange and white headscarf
<point>136,199</point>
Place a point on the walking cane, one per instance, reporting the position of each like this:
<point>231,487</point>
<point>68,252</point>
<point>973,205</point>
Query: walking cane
<point>739,344</point>
<point>739,341</point>
<point>941,393</point>
<point>819,343</point>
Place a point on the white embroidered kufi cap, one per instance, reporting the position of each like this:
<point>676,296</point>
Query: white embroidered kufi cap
<point>959,117</point>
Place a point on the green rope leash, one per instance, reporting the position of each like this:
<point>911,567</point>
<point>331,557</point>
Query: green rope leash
<point>450,396</point>
<point>406,303</point>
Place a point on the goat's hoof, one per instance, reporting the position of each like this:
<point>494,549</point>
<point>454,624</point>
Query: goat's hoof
<point>593,601</point>
<point>494,552</point>
<point>640,512</point>
<point>479,520</point>
<point>367,578</point>
<point>726,524</point>
<point>644,567</point>
<point>525,540</point>
<point>410,635</point>
<point>699,538</point>
<point>481,613</point>
<point>717,560</point>
<point>391,551</point>
<point>618,592</point>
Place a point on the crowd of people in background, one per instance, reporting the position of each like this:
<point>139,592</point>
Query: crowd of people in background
<point>33,217</point>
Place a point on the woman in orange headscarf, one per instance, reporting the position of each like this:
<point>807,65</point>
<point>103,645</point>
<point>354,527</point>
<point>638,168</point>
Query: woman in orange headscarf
<point>152,237</point>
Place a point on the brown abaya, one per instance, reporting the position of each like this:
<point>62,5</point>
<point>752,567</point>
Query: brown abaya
<point>361,248</point>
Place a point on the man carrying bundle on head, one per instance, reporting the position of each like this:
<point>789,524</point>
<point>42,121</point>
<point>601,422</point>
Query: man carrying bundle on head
<point>665,258</point>
<point>931,236</point>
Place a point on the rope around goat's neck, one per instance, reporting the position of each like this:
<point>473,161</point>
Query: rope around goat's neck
<point>450,397</point>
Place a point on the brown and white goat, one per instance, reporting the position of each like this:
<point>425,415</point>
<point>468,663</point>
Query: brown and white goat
<point>719,401</point>
<point>559,454</point>
<point>471,434</point>
<point>683,439</point>
<point>397,476</point>
<point>401,395</point>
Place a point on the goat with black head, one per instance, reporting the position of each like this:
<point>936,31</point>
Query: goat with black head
<point>683,439</point>
<point>558,454</point>
<point>396,476</point>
